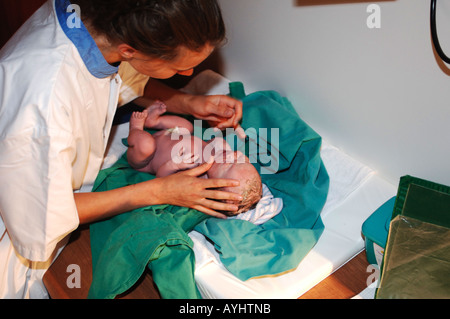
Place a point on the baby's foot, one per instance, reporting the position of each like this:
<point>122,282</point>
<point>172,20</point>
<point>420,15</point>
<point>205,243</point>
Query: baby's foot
<point>154,111</point>
<point>137,120</point>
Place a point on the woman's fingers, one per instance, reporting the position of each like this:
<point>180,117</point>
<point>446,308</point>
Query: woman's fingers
<point>187,189</point>
<point>221,195</point>
<point>222,110</point>
<point>204,194</point>
<point>215,208</point>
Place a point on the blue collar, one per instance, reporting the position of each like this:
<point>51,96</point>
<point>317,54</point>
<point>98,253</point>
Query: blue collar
<point>83,41</point>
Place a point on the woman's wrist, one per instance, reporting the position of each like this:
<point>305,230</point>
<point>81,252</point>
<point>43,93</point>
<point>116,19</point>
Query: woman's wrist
<point>147,193</point>
<point>175,100</point>
<point>184,103</point>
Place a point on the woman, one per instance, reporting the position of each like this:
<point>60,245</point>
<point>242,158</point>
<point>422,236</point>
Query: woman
<point>59,91</point>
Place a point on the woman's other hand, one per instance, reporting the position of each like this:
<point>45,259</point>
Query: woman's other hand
<point>187,189</point>
<point>220,111</point>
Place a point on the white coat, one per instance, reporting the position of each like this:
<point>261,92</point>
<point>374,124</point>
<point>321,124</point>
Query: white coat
<point>58,96</point>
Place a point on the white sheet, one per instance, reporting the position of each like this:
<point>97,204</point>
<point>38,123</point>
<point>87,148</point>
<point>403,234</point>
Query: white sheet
<point>356,191</point>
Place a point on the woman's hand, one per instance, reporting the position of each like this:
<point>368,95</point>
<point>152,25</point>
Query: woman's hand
<point>181,189</point>
<point>220,111</point>
<point>187,189</point>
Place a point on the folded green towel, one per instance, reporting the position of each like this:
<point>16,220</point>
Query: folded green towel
<point>156,236</point>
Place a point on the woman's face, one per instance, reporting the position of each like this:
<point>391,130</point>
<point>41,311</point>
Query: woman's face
<point>183,64</point>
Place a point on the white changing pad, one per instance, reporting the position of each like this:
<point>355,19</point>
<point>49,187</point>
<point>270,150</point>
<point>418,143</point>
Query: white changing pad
<point>356,191</point>
<point>340,242</point>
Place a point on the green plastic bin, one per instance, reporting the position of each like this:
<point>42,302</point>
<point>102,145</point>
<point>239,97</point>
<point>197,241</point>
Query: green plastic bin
<point>375,230</point>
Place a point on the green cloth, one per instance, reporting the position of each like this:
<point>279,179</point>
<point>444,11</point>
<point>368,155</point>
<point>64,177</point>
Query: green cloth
<point>153,236</point>
<point>156,236</point>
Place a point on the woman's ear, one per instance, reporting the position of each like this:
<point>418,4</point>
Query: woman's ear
<point>126,51</point>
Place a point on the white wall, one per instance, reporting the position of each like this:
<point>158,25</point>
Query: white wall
<point>378,94</point>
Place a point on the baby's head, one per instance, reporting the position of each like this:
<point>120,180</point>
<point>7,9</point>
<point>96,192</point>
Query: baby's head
<point>237,166</point>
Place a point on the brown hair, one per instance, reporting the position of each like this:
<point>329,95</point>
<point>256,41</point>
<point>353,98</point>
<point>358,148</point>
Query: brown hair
<point>156,27</point>
<point>251,195</point>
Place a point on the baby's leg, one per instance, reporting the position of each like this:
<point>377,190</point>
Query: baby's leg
<point>156,120</point>
<point>141,144</point>
<point>154,112</point>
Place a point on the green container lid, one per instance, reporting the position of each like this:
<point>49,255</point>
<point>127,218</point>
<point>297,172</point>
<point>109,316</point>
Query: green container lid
<point>376,227</point>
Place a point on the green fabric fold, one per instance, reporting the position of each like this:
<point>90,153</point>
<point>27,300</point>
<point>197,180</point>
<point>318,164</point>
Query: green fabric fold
<point>249,250</point>
<point>154,236</point>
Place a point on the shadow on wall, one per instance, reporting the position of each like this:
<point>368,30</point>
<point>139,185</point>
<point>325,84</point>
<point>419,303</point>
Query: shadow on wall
<point>13,14</point>
<point>299,3</point>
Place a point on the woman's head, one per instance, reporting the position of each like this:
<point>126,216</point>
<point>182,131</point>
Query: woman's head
<point>157,28</point>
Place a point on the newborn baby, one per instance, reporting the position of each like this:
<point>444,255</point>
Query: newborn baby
<point>174,148</point>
